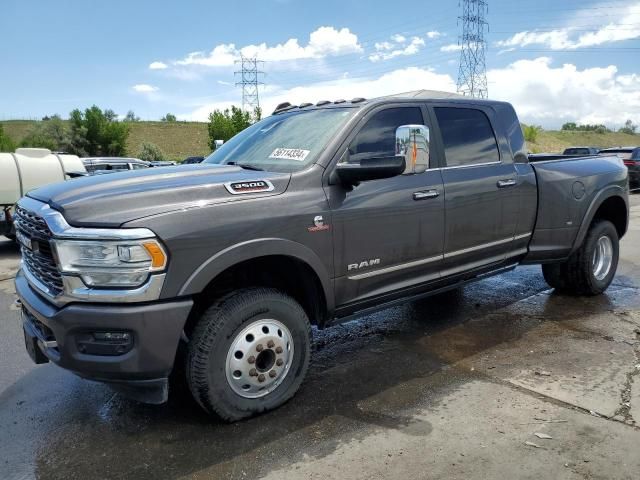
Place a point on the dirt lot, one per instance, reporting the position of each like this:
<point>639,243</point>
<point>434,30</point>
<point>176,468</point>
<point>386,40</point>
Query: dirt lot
<point>502,379</point>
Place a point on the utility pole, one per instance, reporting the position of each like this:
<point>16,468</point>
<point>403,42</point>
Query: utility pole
<point>249,81</point>
<point>472,76</point>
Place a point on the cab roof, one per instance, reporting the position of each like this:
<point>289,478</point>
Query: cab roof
<point>408,96</point>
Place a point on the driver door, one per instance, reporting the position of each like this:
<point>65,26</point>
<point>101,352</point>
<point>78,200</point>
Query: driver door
<point>388,233</point>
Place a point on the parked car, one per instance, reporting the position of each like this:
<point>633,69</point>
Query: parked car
<point>190,160</point>
<point>162,163</point>
<point>631,158</point>
<point>220,271</point>
<point>30,168</point>
<point>100,165</point>
<point>581,151</point>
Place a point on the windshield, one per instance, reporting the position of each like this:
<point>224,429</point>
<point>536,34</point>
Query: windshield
<point>283,143</point>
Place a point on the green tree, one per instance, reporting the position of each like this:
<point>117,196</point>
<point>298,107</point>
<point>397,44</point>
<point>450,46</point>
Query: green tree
<point>570,126</point>
<point>531,132</point>
<point>150,152</point>
<point>6,144</point>
<point>52,134</point>
<point>169,117</point>
<point>224,124</point>
<point>629,128</point>
<point>131,117</point>
<point>94,132</point>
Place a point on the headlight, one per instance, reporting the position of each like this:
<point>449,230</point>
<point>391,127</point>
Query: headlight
<point>111,263</point>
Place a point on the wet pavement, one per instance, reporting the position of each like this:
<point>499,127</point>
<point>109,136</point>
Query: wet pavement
<point>454,386</point>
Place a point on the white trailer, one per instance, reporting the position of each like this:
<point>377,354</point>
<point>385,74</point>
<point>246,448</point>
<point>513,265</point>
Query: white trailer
<point>30,168</point>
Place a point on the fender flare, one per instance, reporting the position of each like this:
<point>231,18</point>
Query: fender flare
<point>256,248</point>
<point>598,200</point>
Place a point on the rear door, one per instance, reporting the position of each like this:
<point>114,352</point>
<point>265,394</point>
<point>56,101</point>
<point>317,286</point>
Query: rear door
<point>481,198</point>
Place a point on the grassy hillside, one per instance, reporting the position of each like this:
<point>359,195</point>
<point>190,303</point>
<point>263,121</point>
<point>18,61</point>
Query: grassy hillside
<point>177,140</point>
<point>182,139</point>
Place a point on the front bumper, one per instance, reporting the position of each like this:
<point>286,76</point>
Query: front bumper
<point>155,328</point>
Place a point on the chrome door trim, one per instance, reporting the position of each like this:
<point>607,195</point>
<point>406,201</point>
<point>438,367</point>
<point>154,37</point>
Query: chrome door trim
<point>425,261</point>
<point>395,268</point>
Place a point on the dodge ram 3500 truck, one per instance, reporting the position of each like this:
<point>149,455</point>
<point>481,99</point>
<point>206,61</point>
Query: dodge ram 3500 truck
<point>312,215</point>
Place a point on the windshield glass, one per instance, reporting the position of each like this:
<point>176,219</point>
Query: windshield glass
<point>283,143</point>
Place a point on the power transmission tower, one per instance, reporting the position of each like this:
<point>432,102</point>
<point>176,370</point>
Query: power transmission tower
<point>472,76</point>
<point>249,81</point>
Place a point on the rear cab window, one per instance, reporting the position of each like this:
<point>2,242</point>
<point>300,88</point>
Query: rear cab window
<point>467,136</point>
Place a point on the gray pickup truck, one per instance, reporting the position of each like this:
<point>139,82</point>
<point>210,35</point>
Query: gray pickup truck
<point>218,271</point>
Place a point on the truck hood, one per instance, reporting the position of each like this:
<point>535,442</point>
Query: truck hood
<point>114,199</point>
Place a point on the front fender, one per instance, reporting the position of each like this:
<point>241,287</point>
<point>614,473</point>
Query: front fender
<point>251,249</point>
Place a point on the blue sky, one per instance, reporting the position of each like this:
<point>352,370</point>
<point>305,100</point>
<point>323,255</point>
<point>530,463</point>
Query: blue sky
<point>555,61</point>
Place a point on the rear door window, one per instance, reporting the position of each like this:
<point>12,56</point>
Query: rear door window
<point>467,136</point>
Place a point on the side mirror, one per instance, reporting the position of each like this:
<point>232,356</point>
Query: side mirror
<point>411,156</point>
<point>412,143</point>
<point>370,169</point>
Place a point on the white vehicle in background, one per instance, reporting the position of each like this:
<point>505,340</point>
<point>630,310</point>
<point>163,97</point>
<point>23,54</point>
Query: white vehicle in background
<point>30,168</point>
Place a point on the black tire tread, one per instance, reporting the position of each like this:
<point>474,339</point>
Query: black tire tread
<point>206,331</point>
<point>574,276</point>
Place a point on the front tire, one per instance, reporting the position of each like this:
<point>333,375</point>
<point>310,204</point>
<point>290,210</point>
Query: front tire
<point>590,269</point>
<point>249,353</point>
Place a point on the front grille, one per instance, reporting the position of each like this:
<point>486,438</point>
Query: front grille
<point>39,261</point>
<point>31,224</point>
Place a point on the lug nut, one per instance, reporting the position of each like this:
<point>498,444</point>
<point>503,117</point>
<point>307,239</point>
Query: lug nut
<point>279,350</point>
<point>253,372</point>
<point>251,359</point>
<point>271,344</point>
<point>279,362</point>
<point>259,347</point>
<point>272,374</point>
<point>261,378</point>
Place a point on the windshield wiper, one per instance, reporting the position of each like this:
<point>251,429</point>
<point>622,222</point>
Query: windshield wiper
<point>246,166</point>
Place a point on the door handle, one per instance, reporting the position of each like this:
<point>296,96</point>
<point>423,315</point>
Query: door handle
<point>506,183</point>
<point>425,194</point>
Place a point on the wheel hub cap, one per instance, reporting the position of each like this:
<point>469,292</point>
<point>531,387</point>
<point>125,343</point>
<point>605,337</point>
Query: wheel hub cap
<point>602,258</point>
<point>259,358</point>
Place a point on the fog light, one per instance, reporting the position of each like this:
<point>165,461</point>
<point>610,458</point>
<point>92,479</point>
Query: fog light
<point>104,343</point>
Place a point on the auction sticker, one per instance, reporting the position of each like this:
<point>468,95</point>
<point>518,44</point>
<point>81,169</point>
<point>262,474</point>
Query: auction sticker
<point>290,154</point>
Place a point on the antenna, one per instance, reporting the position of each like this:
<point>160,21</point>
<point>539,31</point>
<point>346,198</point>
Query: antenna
<point>472,76</point>
<point>249,74</point>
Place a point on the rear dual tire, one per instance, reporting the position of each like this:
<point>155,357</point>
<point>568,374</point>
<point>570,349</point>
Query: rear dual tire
<point>249,353</point>
<point>590,269</point>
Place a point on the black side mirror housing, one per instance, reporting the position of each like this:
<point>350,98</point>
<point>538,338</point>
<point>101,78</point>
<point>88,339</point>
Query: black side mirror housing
<point>370,169</point>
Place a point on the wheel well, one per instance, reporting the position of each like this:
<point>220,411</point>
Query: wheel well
<point>614,209</point>
<point>287,274</point>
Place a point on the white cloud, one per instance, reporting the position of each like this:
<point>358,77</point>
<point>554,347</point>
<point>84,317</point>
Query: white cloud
<point>548,95</point>
<point>452,47</point>
<point>434,34</point>
<point>402,80</point>
<point>568,38</point>
<point>387,50</point>
<point>323,42</point>
<point>157,66</point>
<point>144,88</point>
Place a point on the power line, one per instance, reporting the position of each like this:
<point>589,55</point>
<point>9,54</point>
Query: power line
<point>472,75</point>
<point>249,81</point>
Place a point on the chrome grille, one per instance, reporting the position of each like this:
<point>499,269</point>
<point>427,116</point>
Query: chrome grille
<point>39,261</point>
<point>31,224</point>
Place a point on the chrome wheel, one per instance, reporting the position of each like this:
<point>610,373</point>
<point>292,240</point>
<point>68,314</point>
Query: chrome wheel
<point>602,258</point>
<point>259,358</point>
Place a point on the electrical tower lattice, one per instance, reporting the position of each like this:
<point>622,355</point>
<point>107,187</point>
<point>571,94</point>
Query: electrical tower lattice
<point>472,76</point>
<point>249,81</point>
